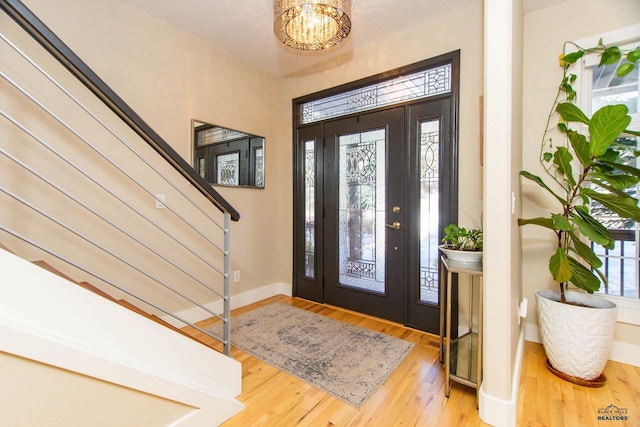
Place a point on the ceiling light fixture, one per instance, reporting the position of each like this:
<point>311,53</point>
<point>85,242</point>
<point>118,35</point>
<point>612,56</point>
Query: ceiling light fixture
<point>311,24</point>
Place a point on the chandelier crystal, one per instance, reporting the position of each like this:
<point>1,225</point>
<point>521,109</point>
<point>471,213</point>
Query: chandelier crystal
<point>311,24</point>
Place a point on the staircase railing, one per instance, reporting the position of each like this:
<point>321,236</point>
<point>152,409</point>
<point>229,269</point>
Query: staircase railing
<point>70,165</point>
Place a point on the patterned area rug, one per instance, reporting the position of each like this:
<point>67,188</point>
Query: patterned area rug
<point>344,360</point>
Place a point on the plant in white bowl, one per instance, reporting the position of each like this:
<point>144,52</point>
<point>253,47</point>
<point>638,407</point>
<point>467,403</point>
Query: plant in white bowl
<point>461,244</point>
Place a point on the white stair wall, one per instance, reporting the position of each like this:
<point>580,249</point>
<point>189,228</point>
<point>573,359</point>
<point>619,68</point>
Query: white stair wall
<point>48,320</point>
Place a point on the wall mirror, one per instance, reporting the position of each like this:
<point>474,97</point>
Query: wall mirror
<point>228,157</point>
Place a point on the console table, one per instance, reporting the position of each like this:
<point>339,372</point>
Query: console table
<point>463,355</point>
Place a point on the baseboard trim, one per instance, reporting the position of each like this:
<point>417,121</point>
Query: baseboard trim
<point>194,315</point>
<point>620,351</point>
<point>499,412</point>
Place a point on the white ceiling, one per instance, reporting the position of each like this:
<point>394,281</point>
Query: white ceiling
<point>244,27</point>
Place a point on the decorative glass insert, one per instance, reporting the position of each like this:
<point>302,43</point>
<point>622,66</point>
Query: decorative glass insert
<point>429,217</point>
<point>309,209</point>
<point>409,87</point>
<point>227,168</point>
<point>259,169</point>
<point>361,215</point>
<point>202,167</point>
<point>217,134</point>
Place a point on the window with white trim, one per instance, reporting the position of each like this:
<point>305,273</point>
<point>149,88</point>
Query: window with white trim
<point>599,86</point>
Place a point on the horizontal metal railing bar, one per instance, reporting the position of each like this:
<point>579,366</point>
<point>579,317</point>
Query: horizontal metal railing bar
<point>59,50</point>
<point>119,258</point>
<point>105,126</point>
<point>51,43</point>
<point>614,264</point>
<point>623,235</point>
<point>100,153</point>
<point>107,281</point>
<point>103,218</point>
<point>100,185</point>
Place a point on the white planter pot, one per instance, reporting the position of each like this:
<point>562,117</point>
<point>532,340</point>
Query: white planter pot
<point>577,340</point>
<point>462,256</point>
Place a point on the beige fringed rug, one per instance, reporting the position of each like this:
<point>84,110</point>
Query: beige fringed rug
<point>344,360</point>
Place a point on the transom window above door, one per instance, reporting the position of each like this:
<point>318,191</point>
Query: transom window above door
<point>409,87</point>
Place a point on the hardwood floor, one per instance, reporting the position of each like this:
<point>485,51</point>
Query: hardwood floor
<point>414,393</point>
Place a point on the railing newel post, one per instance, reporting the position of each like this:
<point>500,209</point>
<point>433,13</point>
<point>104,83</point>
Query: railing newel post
<point>226,292</point>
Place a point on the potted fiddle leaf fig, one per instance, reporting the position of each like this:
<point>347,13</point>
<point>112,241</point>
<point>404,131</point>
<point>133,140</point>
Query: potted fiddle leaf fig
<point>461,244</point>
<point>589,167</point>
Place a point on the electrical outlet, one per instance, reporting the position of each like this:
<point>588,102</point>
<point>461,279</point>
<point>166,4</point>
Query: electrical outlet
<point>160,201</point>
<point>236,276</point>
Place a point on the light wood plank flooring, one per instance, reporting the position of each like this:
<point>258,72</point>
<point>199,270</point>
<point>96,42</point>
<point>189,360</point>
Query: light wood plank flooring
<point>414,393</point>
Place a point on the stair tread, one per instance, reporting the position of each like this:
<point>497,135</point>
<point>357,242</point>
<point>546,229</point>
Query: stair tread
<point>88,286</point>
<point>52,269</point>
<point>6,248</point>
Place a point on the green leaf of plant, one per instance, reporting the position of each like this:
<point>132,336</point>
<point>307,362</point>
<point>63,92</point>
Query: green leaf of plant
<point>547,157</point>
<point>634,55</point>
<point>582,277</point>
<point>571,113</point>
<point>561,222</point>
<point>593,230</point>
<point>543,222</point>
<point>624,69</point>
<point>626,207</point>
<point>611,55</point>
<point>622,167</point>
<point>616,181</point>
<point>603,278</point>
<point>572,57</point>
<point>585,252</point>
<point>611,155</point>
<point>562,159</point>
<point>541,183</point>
<point>580,146</point>
<point>606,125</point>
<point>559,267</point>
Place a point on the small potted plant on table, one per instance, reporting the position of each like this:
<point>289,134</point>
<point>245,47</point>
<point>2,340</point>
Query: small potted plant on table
<point>462,245</point>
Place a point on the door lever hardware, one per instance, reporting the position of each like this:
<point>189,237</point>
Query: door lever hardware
<point>395,225</point>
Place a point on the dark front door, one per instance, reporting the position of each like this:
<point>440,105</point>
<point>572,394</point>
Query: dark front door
<point>364,213</point>
<point>373,193</point>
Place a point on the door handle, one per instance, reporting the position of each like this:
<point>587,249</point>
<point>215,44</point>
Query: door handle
<point>395,225</point>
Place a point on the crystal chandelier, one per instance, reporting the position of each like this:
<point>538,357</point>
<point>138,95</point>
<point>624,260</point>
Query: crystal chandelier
<point>311,24</point>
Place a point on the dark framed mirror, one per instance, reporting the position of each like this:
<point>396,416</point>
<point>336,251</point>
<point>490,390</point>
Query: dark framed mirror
<point>228,157</point>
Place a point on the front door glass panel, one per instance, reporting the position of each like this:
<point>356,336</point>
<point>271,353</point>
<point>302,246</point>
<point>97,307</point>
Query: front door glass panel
<point>361,234</point>
<point>429,132</point>
<point>309,209</point>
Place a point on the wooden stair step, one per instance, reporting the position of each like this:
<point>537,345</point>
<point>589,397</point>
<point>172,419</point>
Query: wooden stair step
<point>88,286</point>
<point>6,248</point>
<point>52,269</point>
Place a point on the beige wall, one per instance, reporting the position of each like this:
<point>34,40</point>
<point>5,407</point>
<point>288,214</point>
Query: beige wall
<point>170,77</point>
<point>413,45</point>
<point>545,32</point>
